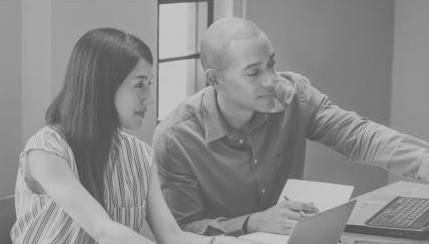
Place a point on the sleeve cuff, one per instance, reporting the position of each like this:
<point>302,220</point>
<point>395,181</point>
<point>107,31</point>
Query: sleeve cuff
<point>219,226</point>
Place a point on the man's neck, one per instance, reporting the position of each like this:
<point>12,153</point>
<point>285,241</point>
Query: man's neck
<point>236,116</point>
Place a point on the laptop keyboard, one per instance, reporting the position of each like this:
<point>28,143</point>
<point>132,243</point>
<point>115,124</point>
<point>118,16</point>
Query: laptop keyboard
<point>404,213</point>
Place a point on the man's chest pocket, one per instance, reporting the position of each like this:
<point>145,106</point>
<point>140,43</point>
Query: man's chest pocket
<point>281,164</point>
<point>280,159</point>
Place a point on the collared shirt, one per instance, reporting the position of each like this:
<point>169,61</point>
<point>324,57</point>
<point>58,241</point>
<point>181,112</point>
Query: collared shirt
<point>213,177</point>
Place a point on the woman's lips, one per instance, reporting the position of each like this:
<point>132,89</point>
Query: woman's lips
<point>140,113</point>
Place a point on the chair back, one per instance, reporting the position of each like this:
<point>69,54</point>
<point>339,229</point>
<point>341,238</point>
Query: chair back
<point>7,217</point>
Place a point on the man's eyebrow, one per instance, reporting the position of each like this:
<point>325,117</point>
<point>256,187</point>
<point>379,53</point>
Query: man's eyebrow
<point>251,65</point>
<point>257,63</point>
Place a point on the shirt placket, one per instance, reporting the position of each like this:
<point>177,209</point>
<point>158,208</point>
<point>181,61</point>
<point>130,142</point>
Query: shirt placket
<point>255,164</point>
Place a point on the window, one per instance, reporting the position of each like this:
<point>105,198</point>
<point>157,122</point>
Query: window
<point>180,25</point>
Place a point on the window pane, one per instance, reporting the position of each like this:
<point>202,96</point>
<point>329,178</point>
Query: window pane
<point>178,27</point>
<point>176,82</point>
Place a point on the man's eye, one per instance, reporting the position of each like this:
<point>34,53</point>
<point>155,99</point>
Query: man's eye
<point>253,73</point>
<point>271,65</point>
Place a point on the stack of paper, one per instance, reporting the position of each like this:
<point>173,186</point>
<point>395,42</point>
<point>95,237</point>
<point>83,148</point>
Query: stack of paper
<point>324,195</point>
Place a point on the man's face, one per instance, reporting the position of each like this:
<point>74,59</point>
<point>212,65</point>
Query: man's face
<point>248,80</point>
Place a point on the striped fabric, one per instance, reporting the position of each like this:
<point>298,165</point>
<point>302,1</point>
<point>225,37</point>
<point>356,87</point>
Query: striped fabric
<point>41,220</point>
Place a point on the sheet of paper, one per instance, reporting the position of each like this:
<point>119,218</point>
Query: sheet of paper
<point>323,195</point>
<point>266,237</point>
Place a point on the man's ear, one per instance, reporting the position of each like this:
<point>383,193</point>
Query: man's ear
<point>212,79</point>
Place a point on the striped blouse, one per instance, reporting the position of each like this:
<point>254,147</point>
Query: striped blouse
<point>41,220</point>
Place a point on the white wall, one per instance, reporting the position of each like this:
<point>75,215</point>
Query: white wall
<point>10,93</point>
<point>410,83</point>
<point>36,64</point>
<point>345,48</point>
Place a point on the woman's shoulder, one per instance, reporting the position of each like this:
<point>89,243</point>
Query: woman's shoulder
<point>47,134</point>
<point>48,139</point>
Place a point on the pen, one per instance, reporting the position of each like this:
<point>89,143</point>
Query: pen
<point>299,211</point>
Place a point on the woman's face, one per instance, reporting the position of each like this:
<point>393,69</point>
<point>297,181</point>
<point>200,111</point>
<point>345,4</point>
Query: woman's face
<point>134,95</point>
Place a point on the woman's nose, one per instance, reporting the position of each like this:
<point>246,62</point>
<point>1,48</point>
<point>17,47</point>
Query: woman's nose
<point>147,98</point>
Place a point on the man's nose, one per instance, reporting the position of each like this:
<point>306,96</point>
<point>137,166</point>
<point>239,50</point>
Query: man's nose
<point>269,80</point>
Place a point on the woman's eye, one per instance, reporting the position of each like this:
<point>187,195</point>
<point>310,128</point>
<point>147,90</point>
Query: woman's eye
<point>143,83</point>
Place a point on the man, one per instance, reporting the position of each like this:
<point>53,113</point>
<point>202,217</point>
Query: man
<point>224,155</point>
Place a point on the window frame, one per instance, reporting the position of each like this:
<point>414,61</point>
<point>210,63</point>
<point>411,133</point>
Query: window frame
<point>194,56</point>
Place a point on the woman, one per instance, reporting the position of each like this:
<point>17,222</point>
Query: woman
<point>82,179</point>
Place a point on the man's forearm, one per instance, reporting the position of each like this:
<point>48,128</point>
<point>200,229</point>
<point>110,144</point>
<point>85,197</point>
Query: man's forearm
<point>360,139</point>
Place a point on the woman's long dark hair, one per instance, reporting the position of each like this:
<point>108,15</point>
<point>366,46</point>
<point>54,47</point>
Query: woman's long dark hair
<point>84,110</point>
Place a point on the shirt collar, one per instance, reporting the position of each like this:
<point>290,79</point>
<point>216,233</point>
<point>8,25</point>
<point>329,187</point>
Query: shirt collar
<point>215,124</point>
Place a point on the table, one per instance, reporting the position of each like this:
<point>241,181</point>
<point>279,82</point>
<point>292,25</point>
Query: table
<point>378,198</point>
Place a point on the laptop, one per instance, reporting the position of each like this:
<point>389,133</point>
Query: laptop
<point>402,217</point>
<point>323,228</point>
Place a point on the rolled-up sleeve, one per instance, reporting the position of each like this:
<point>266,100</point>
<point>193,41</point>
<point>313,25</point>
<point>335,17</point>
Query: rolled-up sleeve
<point>363,140</point>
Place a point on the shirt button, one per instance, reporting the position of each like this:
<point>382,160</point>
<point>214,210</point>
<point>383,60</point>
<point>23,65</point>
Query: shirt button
<point>255,161</point>
<point>263,190</point>
<point>241,141</point>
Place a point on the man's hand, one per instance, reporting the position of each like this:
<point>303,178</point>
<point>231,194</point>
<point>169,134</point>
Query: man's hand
<point>285,86</point>
<point>423,172</point>
<point>280,218</point>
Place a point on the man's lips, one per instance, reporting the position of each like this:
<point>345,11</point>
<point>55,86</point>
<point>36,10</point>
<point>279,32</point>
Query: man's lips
<point>267,95</point>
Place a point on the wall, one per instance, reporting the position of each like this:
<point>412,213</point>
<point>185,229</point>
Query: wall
<point>10,93</point>
<point>36,64</point>
<point>410,84</point>
<point>345,49</point>
<point>409,81</point>
<point>71,19</point>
